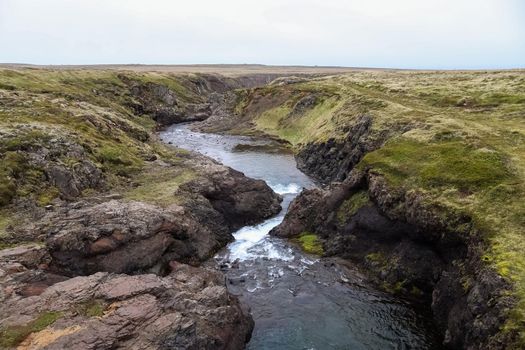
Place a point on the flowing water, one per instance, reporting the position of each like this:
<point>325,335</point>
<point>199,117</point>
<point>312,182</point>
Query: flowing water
<point>299,301</point>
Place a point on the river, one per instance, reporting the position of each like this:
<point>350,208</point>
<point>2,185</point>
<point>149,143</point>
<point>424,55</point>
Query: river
<point>299,301</point>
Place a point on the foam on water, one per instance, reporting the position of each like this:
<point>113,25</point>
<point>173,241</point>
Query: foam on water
<point>252,242</point>
<point>292,188</point>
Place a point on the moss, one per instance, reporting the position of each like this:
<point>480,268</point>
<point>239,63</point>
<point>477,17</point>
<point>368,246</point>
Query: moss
<point>310,243</point>
<point>313,124</point>
<point>7,189</point>
<point>47,196</point>
<point>415,291</point>
<point>12,166</point>
<point>14,335</point>
<point>5,221</point>
<point>91,308</point>
<point>377,259</point>
<point>119,159</point>
<point>350,206</point>
<point>24,140</point>
<point>440,164</point>
<point>395,288</point>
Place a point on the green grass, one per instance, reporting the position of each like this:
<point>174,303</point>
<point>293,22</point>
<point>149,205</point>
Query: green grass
<point>312,125</point>
<point>441,164</point>
<point>119,159</point>
<point>14,335</point>
<point>159,186</point>
<point>310,243</point>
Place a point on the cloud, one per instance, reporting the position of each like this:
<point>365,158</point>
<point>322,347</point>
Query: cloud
<point>403,33</point>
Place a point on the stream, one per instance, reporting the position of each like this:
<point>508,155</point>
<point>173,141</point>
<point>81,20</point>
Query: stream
<point>299,301</point>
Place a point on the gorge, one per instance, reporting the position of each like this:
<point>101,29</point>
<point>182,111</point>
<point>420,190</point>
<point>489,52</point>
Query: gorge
<point>405,231</point>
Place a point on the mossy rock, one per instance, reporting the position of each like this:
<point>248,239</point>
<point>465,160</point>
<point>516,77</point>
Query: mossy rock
<point>350,206</point>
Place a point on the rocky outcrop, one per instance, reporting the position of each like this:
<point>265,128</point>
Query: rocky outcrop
<point>166,108</point>
<point>162,104</point>
<point>136,291</point>
<point>188,309</point>
<point>122,236</point>
<point>240,200</point>
<point>410,249</point>
<point>333,159</point>
<point>40,155</point>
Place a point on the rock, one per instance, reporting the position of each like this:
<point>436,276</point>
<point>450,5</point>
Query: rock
<point>240,200</point>
<point>121,236</point>
<point>304,104</point>
<point>188,309</point>
<point>162,103</point>
<point>71,181</point>
<point>333,159</point>
<point>127,237</point>
<point>31,256</point>
<point>412,250</point>
<point>23,271</point>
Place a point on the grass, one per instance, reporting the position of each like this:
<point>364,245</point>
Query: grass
<point>119,159</point>
<point>14,335</point>
<point>54,111</point>
<point>159,186</point>
<point>312,125</point>
<point>310,243</point>
<point>439,164</point>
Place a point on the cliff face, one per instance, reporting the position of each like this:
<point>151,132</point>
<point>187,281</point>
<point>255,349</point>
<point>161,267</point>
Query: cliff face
<point>408,249</point>
<point>86,189</point>
<point>424,175</point>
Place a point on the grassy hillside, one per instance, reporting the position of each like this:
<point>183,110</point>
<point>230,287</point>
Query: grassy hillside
<point>458,138</point>
<point>63,126</point>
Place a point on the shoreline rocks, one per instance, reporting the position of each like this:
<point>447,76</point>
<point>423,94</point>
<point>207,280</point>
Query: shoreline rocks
<point>188,309</point>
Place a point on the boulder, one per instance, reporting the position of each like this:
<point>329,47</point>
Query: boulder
<point>188,309</point>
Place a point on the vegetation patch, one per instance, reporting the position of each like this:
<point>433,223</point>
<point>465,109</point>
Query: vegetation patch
<point>5,221</point>
<point>441,164</point>
<point>92,308</point>
<point>159,186</point>
<point>13,335</point>
<point>310,243</point>
<point>350,206</point>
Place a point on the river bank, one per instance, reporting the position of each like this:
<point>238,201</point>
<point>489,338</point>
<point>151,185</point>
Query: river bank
<point>299,300</point>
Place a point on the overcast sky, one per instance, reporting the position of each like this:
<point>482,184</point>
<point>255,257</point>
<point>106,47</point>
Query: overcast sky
<point>371,33</point>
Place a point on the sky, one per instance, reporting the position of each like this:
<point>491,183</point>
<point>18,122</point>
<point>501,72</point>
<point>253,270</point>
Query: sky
<point>440,34</point>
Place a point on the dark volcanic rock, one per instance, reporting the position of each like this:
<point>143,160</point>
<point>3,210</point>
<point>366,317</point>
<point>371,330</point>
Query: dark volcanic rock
<point>240,200</point>
<point>334,159</point>
<point>71,181</point>
<point>162,103</point>
<point>412,250</point>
